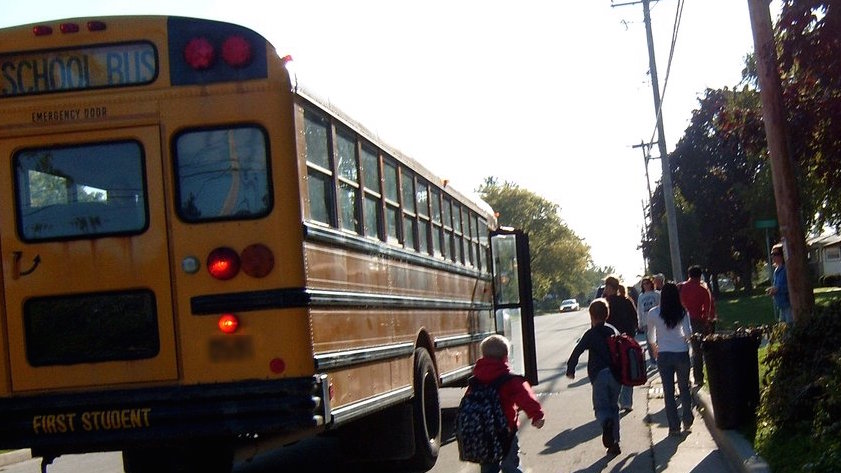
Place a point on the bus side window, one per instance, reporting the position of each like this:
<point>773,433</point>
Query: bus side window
<point>392,202</point>
<point>371,206</point>
<point>348,176</point>
<point>319,169</point>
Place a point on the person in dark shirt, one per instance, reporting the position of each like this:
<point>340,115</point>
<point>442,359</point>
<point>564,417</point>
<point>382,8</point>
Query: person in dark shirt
<point>604,384</point>
<point>623,316</point>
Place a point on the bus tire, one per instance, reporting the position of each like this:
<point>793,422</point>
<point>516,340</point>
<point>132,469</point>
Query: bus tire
<point>426,412</point>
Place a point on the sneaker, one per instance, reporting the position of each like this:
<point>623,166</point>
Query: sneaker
<point>614,449</point>
<point>627,409</point>
<point>607,434</point>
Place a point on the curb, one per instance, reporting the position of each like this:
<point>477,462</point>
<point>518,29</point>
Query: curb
<point>736,448</point>
<point>15,456</point>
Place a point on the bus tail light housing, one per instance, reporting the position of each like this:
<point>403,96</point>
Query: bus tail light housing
<point>223,263</point>
<point>228,323</point>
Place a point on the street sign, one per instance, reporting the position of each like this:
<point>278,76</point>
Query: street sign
<point>770,223</point>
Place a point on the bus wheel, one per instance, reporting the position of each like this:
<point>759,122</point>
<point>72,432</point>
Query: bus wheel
<point>205,458</point>
<point>426,412</point>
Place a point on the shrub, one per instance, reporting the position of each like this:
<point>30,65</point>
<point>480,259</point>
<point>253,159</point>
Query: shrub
<point>799,419</point>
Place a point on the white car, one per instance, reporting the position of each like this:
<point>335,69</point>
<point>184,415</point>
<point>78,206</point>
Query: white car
<point>569,305</point>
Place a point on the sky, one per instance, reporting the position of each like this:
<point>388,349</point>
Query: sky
<point>548,94</point>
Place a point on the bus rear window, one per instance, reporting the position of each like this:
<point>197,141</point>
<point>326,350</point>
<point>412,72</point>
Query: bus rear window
<point>80,191</point>
<point>91,328</point>
<point>222,174</point>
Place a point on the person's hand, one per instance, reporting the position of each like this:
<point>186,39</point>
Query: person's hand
<point>537,422</point>
<point>571,376</point>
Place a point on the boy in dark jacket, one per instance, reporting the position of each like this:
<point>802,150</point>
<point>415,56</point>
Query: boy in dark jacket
<point>605,386</point>
<point>514,394</point>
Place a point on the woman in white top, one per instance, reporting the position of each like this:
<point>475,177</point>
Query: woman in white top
<point>668,335</point>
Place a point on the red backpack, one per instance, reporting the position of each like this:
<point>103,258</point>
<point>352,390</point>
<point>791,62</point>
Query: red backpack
<point>627,359</point>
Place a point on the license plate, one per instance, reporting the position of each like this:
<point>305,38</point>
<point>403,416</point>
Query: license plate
<point>231,348</point>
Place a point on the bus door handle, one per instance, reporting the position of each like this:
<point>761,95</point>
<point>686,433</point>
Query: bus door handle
<point>16,272</point>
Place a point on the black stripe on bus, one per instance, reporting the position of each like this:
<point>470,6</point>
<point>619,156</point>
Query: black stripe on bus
<point>299,297</point>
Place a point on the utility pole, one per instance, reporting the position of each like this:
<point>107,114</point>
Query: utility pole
<point>668,192</point>
<point>782,173</point>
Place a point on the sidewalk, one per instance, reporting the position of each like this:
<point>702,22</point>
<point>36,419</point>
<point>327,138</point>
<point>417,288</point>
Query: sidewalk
<point>707,448</point>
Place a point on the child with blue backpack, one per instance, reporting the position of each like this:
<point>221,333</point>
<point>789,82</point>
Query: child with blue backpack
<point>515,393</point>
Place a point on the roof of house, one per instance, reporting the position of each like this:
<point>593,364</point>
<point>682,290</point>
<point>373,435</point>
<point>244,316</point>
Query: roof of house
<point>827,239</point>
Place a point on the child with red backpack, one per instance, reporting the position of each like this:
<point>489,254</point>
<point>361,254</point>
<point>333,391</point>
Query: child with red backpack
<point>599,370</point>
<point>515,393</point>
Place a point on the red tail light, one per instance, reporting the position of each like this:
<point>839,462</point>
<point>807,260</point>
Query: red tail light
<point>257,260</point>
<point>223,263</point>
<point>199,53</point>
<point>236,52</point>
<point>228,323</point>
<point>277,365</point>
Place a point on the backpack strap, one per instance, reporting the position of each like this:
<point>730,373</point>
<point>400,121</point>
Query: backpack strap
<point>496,383</point>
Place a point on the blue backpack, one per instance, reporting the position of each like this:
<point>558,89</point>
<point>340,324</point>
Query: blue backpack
<point>482,430</point>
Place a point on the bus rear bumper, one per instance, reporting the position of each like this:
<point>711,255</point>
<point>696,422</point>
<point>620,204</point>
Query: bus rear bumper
<point>113,420</point>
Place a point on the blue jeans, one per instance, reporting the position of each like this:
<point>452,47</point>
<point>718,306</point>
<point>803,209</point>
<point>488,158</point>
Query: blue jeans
<point>626,396</point>
<point>509,464</point>
<point>785,315</point>
<point>671,364</point>
<point>606,399</point>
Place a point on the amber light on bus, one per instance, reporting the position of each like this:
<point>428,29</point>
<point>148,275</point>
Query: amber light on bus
<point>228,323</point>
<point>223,263</point>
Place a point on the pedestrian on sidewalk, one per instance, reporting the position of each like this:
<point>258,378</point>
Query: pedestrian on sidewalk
<point>698,302</point>
<point>648,299</point>
<point>514,394</point>
<point>779,289</point>
<point>623,316</point>
<point>604,384</point>
<point>669,332</point>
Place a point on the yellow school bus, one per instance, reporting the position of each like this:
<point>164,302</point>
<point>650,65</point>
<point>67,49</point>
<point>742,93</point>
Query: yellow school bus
<point>200,258</point>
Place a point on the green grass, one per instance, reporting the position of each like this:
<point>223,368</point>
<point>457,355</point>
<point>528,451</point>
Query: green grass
<point>754,310</point>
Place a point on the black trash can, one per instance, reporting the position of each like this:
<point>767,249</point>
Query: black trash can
<point>732,362</point>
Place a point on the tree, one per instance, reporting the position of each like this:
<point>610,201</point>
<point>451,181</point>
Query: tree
<point>560,260</point>
<point>721,186</point>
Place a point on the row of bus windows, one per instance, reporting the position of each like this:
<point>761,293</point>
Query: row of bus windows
<point>355,187</point>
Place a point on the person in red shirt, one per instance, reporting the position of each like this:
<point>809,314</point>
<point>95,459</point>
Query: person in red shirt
<point>697,299</point>
<point>514,394</point>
